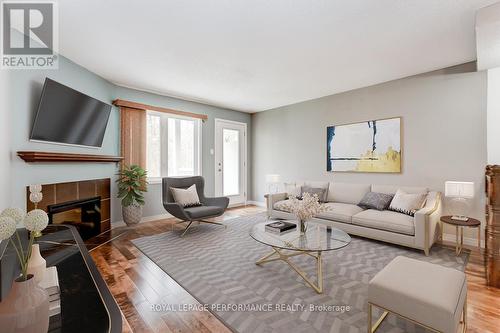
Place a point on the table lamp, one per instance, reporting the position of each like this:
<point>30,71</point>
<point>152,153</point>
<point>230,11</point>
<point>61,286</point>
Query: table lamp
<point>272,181</point>
<point>459,192</point>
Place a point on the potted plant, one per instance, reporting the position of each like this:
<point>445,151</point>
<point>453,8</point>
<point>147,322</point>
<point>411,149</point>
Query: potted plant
<point>131,186</point>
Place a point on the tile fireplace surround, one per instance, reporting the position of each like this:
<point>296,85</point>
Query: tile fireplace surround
<point>78,190</point>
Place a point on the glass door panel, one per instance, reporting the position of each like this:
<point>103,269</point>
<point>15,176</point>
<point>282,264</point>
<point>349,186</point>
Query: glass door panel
<point>230,162</point>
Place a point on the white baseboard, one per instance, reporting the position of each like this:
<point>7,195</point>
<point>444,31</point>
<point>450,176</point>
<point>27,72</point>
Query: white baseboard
<point>257,203</point>
<point>467,240</point>
<point>144,219</point>
<point>165,216</point>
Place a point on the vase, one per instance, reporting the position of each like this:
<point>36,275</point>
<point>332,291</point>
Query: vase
<point>36,264</point>
<point>25,309</point>
<point>303,226</point>
<point>132,214</point>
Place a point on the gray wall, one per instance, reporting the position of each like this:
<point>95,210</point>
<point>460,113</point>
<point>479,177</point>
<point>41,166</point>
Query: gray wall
<point>26,87</point>
<point>444,132</point>
<point>24,91</point>
<point>5,194</point>
<point>153,197</point>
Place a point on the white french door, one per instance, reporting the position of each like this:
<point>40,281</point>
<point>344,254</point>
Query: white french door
<point>230,160</point>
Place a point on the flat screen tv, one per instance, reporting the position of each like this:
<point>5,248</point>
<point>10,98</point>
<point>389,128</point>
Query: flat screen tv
<point>67,116</point>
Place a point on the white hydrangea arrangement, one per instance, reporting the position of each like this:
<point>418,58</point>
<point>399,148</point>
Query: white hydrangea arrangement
<point>35,221</point>
<point>306,208</point>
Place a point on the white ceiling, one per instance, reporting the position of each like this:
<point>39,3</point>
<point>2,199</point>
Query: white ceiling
<point>254,55</point>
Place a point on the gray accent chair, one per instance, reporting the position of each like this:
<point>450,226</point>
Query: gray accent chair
<point>211,207</point>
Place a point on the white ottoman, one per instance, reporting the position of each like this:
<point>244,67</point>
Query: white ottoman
<point>429,295</point>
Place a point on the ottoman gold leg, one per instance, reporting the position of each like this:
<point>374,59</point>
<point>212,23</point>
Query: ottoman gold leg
<point>374,328</point>
<point>369,326</point>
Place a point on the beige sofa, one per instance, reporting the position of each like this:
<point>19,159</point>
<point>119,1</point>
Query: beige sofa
<point>419,232</point>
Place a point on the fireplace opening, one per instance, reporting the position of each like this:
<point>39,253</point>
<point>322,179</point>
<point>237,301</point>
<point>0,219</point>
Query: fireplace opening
<point>85,215</point>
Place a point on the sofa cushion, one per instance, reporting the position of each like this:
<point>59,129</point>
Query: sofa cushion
<point>317,184</point>
<point>283,205</point>
<point>341,212</point>
<point>347,193</point>
<point>385,220</point>
<point>392,189</point>
<point>427,293</point>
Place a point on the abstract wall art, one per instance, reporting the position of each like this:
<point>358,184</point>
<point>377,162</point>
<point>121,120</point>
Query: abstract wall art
<point>369,146</point>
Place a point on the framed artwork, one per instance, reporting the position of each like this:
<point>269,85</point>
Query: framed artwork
<point>369,146</point>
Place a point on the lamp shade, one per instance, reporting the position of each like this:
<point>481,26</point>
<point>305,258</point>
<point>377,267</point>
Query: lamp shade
<point>454,189</point>
<point>273,178</point>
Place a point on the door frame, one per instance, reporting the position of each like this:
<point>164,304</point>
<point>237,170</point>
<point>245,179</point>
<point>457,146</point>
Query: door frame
<point>245,156</point>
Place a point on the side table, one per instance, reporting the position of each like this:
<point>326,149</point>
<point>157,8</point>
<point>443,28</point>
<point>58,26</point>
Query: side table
<point>459,225</point>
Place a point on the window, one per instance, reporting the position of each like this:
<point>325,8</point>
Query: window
<point>173,145</point>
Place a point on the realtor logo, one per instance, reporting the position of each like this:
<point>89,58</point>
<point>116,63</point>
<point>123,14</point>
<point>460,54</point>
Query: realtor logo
<point>29,35</point>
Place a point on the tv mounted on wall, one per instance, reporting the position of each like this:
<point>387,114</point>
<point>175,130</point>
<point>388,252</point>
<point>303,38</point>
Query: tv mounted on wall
<point>67,116</point>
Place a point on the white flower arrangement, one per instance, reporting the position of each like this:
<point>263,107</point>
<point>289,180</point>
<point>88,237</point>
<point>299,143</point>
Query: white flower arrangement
<point>17,214</point>
<point>34,221</point>
<point>307,207</point>
<point>7,227</point>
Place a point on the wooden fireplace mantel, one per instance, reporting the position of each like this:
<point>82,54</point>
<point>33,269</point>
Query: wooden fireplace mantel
<point>41,156</point>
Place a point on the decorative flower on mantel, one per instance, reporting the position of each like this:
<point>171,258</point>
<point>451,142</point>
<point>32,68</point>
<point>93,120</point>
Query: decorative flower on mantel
<point>36,188</point>
<point>36,194</point>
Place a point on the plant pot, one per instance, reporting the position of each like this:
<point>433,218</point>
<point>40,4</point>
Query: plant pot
<point>132,214</point>
<point>36,264</point>
<point>25,309</point>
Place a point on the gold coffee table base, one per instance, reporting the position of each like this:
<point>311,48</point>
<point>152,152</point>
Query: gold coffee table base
<point>278,254</point>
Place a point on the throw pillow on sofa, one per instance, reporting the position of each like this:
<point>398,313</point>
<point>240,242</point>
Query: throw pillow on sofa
<point>407,203</point>
<point>186,197</point>
<point>320,192</point>
<point>374,200</point>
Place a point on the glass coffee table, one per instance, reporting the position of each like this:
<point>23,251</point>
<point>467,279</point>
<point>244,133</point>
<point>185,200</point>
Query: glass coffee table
<point>313,242</point>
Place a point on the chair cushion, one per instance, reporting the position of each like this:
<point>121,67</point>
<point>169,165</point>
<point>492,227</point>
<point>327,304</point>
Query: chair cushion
<point>203,211</point>
<point>385,220</point>
<point>341,212</point>
<point>347,193</point>
<point>427,293</point>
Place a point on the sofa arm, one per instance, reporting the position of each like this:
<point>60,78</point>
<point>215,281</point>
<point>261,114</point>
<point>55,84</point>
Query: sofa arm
<point>427,221</point>
<point>271,199</point>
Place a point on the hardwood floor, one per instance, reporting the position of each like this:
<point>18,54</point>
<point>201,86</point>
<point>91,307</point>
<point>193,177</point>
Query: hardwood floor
<point>137,284</point>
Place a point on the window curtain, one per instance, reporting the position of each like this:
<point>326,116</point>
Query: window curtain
<point>133,136</point>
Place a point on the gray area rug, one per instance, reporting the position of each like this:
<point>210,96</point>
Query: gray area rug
<point>217,266</point>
